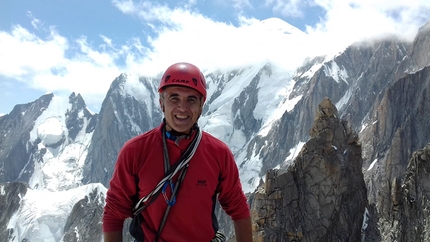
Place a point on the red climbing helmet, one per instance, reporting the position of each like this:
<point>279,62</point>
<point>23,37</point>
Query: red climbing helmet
<point>184,74</point>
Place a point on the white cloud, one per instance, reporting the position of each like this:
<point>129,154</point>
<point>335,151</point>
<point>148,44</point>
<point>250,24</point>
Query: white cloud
<point>286,8</point>
<point>107,41</point>
<point>50,61</point>
<point>44,64</point>
<point>240,4</point>
<point>34,22</point>
<point>189,36</point>
<point>186,35</point>
<point>27,54</point>
<point>145,10</point>
<point>355,20</point>
<point>349,21</point>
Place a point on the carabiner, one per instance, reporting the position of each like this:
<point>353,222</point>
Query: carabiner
<point>170,203</point>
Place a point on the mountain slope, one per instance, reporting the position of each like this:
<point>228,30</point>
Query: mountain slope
<point>130,108</point>
<point>40,136</point>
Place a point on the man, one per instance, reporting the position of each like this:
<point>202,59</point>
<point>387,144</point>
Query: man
<point>185,212</point>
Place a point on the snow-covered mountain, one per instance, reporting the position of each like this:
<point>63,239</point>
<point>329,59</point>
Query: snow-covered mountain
<point>44,144</point>
<point>55,133</point>
<point>44,215</point>
<point>56,156</point>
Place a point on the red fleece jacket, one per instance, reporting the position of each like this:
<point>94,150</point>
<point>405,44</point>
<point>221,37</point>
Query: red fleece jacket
<point>212,174</point>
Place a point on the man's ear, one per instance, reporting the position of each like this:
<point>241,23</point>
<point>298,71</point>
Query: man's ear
<point>201,110</point>
<point>161,104</point>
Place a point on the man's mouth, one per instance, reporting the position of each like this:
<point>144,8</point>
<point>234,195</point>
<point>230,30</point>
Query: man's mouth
<point>181,116</point>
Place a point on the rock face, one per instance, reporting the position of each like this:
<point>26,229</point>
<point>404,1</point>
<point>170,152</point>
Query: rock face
<point>10,199</point>
<point>84,219</point>
<point>322,196</point>
<point>24,146</point>
<point>399,126</point>
<point>409,216</point>
<point>121,117</point>
<point>14,146</point>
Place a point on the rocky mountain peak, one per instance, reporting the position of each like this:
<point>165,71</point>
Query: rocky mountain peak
<point>128,110</point>
<point>419,56</point>
<point>78,115</point>
<point>15,127</point>
<point>322,196</point>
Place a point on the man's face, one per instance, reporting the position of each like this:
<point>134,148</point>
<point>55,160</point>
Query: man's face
<point>182,107</point>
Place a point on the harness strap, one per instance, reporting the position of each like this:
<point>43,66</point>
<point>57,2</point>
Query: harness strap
<point>170,172</point>
<point>219,237</point>
<point>170,204</point>
<point>186,157</point>
<point>171,201</point>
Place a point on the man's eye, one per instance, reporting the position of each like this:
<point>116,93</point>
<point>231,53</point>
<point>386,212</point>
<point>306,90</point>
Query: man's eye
<point>192,100</point>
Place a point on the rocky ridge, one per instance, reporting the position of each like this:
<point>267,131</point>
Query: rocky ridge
<point>322,196</point>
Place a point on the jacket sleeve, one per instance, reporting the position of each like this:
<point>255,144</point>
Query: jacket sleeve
<point>231,195</point>
<point>119,197</point>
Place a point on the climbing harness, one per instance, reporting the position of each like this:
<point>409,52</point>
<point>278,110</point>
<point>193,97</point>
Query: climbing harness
<point>173,170</point>
<point>219,237</point>
<point>170,172</point>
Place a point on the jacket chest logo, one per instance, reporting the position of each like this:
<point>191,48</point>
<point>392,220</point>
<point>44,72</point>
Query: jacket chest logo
<point>201,183</point>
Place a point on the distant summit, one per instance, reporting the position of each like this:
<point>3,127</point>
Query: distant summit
<point>277,24</point>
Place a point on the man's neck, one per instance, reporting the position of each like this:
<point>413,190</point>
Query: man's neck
<point>176,133</point>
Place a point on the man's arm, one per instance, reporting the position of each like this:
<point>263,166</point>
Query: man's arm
<point>115,236</point>
<point>243,230</point>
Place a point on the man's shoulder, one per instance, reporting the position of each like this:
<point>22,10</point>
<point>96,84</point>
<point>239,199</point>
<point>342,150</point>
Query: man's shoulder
<point>214,141</point>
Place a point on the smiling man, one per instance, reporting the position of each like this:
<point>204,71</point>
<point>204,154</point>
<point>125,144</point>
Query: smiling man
<point>189,167</point>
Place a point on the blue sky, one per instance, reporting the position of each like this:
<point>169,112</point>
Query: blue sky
<point>81,46</point>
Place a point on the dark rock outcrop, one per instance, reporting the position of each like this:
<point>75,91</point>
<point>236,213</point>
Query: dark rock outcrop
<point>322,196</point>
<point>409,217</point>
<point>10,200</point>
<point>399,126</point>
<point>84,221</point>
<point>78,115</point>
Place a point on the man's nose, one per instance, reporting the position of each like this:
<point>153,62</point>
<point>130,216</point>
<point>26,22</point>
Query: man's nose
<point>182,104</point>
